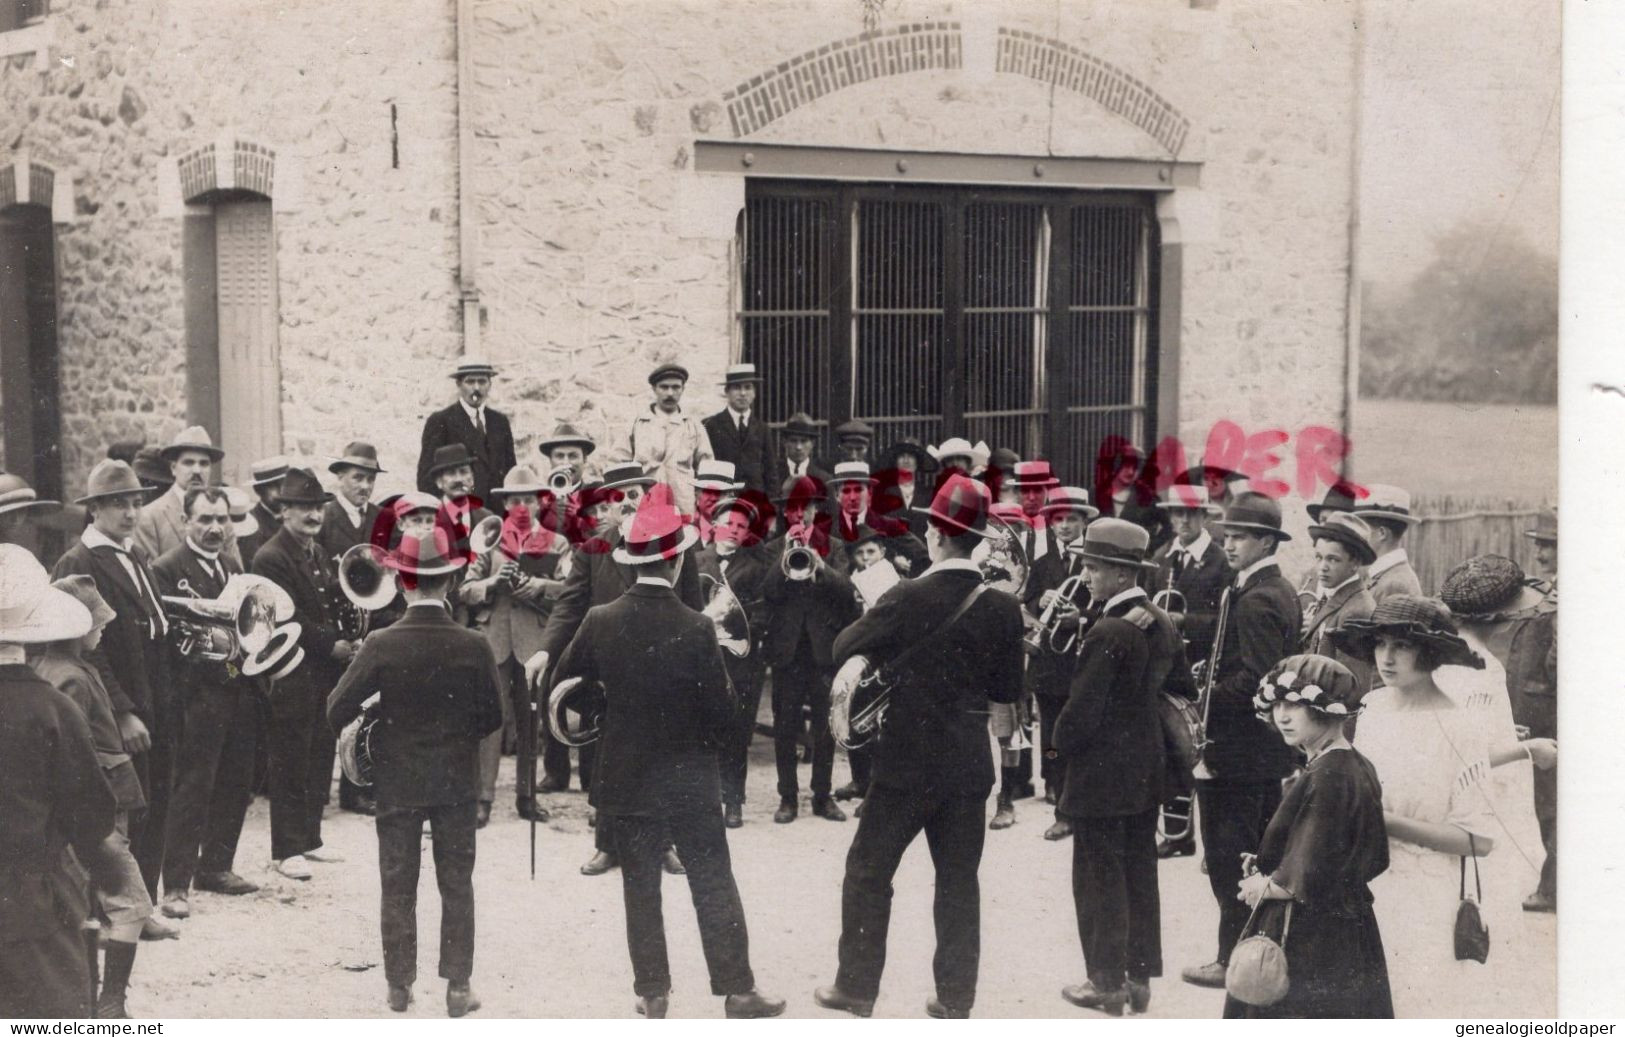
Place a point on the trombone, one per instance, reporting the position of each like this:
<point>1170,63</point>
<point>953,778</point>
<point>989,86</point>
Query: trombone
<point>1049,627</point>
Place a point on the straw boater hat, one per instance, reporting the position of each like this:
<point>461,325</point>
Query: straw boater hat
<point>566,434</point>
<point>665,371</point>
<point>17,495</point>
<point>240,503</point>
<point>1348,530</point>
<point>1035,473</point>
<point>1182,496</point>
<point>357,455</point>
<point>83,589</point>
<point>267,471</point>
<point>470,367</point>
<point>112,479</point>
<point>1069,498</point>
<point>1422,620</point>
<point>1487,587</point>
<point>851,471</point>
<point>300,486</point>
<point>961,506</point>
<point>1388,503</point>
<point>957,447</point>
<point>194,437</point>
<point>854,430</point>
<point>520,479</point>
<point>1115,541</point>
<point>741,374</point>
<point>1545,531</point>
<point>452,455</point>
<point>1339,496</point>
<point>715,475</point>
<point>626,473</point>
<point>31,610</point>
<point>799,424</point>
<point>656,534</point>
<point>1254,513</point>
<point>1315,681</point>
<point>425,555</point>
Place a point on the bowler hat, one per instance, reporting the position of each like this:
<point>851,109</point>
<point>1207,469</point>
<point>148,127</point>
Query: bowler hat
<point>193,437</point>
<point>1347,529</point>
<point>300,486</point>
<point>357,455</point>
<point>960,506</point>
<point>566,434</point>
<point>452,455</point>
<point>1254,513</point>
<point>427,555</point>
<point>472,367</point>
<point>665,371</point>
<point>741,374</point>
<point>1115,541</point>
<point>1340,496</point>
<point>112,479</point>
<point>800,424</point>
<point>1315,681</point>
<point>1424,621</point>
<point>1068,498</point>
<point>1545,531</point>
<point>626,473</point>
<point>656,533</point>
<point>31,610</point>
<point>17,495</point>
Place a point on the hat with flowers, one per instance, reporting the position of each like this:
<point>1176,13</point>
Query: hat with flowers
<point>1314,681</point>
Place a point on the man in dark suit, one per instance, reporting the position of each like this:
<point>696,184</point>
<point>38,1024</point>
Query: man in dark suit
<point>266,481</point>
<point>1339,595</point>
<point>424,761</point>
<point>1111,735</point>
<point>484,431</point>
<point>1193,565</point>
<point>1239,782</point>
<point>852,487</point>
<point>132,659</point>
<point>798,438</point>
<point>667,709</point>
<point>215,758</point>
<point>301,744</point>
<point>805,612</point>
<point>597,579</point>
<point>933,766</point>
<point>738,434</point>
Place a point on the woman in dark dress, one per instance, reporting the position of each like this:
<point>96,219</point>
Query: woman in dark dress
<point>1324,844</point>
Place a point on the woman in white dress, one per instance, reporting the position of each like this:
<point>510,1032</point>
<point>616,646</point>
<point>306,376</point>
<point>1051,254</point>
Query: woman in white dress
<point>1434,758</point>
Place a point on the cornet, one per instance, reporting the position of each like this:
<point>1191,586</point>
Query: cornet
<point>1168,599</point>
<point>799,562</point>
<point>1049,623</point>
<point>563,481</point>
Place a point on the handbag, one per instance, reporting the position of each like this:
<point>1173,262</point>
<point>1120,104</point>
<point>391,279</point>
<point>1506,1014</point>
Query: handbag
<point>1257,973</point>
<point>1181,730</point>
<point>1472,935</point>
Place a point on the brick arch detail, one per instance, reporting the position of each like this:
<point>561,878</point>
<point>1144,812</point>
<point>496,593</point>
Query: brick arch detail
<point>230,164</point>
<point>1070,68</point>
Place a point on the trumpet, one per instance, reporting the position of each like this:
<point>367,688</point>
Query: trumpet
<point>799,562</point>
<point>1049,622</point>
<point>563,481</point>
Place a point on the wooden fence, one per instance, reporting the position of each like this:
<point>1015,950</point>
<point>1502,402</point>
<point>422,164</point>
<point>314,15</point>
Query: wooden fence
<point>1454,528</point>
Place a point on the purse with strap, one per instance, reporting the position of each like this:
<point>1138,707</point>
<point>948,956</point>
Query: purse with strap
<point>1257,973</point>
<point>1472,935</point>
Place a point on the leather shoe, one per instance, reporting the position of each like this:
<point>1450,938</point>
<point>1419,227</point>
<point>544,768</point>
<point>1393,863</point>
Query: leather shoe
<point>547,784</point>
<point>1085,995</point>
<point>754,1005</point>
<point>1050,795</point>
<point>1004,815</point>
<point>937,1010</point>
<point>851,790</point>
<point>1061,829</point>
<point>653,1007</point>
<point>825,808</point>
<point>228,883</point>
<point>838,999</point>
<point>1540,902</point>
<point>786,812</point>
<point>1182,848</point>
<point>529,809</point>
<point>399,998</point>
<point>733,815</point>
<point>460,1000</point>
<point>175,905</point>
<point>1139,995</point>
<point>155,929</point>
<point>1209,975</point>
<point>601,862</point>
<point>670,862</point>
<point>482,814</point>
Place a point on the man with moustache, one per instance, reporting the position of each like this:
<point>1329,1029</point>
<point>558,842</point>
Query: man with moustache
<point>462,509</point>
<point>738,434</point>
<point>852,486</point>
<point>265,479</point>
<point>481,430</point>
<point>191,458</point>
<point>302,746</point>
<point>669,443</point>
<point>214,765</point>
<point>132,656</point>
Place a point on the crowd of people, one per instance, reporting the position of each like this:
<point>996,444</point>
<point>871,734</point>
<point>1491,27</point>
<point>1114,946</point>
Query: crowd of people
<point>1342,751</point>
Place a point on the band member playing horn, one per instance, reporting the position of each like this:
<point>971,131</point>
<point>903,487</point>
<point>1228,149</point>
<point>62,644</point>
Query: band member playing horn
<point>214,762</point>
<point>933,766</point>
<point>1111,735</point>
<point>1239,781</point>
<point>734,566</point>
<point>425,764</point>
<point>1056,600</point>
<point>667,707</point>
<point>1192,573</point>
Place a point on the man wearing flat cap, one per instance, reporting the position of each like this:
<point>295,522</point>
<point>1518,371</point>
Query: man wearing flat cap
<point>669,443</point>
<point>738,434</point>
<point>481,429</point>
<point>853,440</point>
<point>191,458</point>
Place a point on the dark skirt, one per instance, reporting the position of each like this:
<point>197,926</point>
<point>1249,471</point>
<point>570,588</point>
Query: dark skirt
<point>1335,965</point>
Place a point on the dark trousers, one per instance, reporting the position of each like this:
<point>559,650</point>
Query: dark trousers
<point>1232,819</point>
<point>1051,767</point>
<point>213,774</point>
<point>400,851</point>
<point>1546,814</point>
<point>954,829</point>
<point>859,761</point>
<point>702,844</point>
<point>301,760</point>
<point>148,827</point>
<point>1114,888</point>
<point>802,683</point>
<point>46,976</point>
<point>733,760</point>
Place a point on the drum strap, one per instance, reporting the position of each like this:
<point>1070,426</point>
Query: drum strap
<point>953,617</point>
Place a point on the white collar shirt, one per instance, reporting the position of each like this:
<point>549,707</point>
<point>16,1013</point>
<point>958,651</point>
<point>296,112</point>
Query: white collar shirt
<point>948,565</point>
<point>1266,562</point>
<point>1196,549</point>
<point>1388,561</point>
<point>93,538</point>
<point>1128,594</point>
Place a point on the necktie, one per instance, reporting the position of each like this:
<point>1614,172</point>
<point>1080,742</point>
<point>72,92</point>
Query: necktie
<point>479,421</point>
<point>156,623</point>
<point>1312,611</point>
<point>741,424</point>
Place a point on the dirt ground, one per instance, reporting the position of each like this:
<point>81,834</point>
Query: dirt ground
<point>556,946</point>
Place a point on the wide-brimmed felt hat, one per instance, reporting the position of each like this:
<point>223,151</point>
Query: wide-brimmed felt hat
<point>193,437</point>
<point>1254,513</point>
<point>1545,531</point>
<point>267,470</point>
<point>656,533</point>
<point>31,610</point>
<point>1069,498</point>
<point>800,424</point>
<point>1387,503</point>
<point>802,489</point>
<point>1484,586</point>
<point>472,366</point>
<point>240,504</point>
<point>957,447</point>
<point>665,371</point>
<point>740,374</point>
<point>1421,620</point>
<point>17,495</point>
<point>911,446</point>
<point>626,473</point>
<point>961,505</point>
<point>1339,496</point>
<point>300,486</point>
<point>1115,541</point>
<point>1184,496</point>
<point>1347,529</point>
<point>855,429</point>
<point>566,434</point>
<point>1035,474</point>
<point>520,479</point>
<point>427,555</point>
<point>150,468</point>
<point>357,455</point>
<point>83,590</point>
<point>112,479</point>
<point>715,475</point>
<point>1313,680</point>
<point>452,455</point>
<point>851,471</point>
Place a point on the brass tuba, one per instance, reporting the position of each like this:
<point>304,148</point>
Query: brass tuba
<point>575,712</point>
<point>724,609</point>
<point>235,628</point>
<point>858,700</point>
<point>367,587</point>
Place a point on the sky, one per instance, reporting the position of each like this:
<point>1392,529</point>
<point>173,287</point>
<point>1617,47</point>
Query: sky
<point>1461,123</point>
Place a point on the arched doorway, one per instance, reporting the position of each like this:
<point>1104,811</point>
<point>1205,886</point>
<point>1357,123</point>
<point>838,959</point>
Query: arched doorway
<point>30,409</point>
